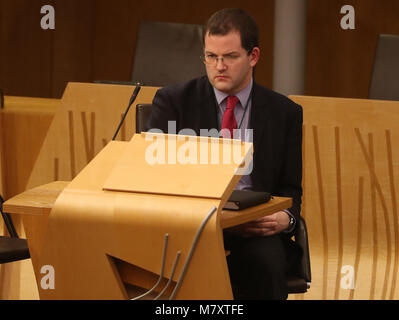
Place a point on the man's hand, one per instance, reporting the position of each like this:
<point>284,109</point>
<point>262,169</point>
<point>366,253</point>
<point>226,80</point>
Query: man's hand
<point>262,227</point>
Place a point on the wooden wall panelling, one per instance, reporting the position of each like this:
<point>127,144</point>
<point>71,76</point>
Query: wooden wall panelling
<point>73,44</point>
<point>114,34</point>
<point>1,49</point>
<point>95,40</point>
<point>26,49</point>
<point>351,194</point>
<point>339,62</point>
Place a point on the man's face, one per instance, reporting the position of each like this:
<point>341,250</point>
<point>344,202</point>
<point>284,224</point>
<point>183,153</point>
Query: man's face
<point>235,71</point>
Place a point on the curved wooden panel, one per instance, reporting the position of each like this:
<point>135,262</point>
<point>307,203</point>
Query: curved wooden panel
<point>88,224</point>
<point>92,233</point>
<point>85,122</point>
<point>350,197</point>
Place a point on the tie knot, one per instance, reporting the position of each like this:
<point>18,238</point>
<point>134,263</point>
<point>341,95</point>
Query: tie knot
<point>232,102</point>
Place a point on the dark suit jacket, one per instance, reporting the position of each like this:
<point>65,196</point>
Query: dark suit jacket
<point>277,131</point>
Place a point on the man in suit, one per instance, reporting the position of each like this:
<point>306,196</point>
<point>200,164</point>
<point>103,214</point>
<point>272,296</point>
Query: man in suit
<point>227,98</point>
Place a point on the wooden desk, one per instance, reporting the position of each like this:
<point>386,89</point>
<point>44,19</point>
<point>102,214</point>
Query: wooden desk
<point>35,206</point>
<point>101,242</point>
<point>40,201</point>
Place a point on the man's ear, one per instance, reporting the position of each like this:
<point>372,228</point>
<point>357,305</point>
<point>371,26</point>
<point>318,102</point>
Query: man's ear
<point>254,56</point>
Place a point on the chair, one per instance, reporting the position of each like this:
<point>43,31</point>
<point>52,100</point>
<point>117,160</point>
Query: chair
<point>12,248</point>
<point>167,53</point>
<point>297,283</point>
<point>300,283</point>
<point>385,76</point>
<point>143,112</point>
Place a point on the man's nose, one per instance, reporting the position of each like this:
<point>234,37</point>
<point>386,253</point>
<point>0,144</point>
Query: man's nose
<point>220,65</point>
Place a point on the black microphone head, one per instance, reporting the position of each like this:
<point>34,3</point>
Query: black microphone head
<point>135,93</point>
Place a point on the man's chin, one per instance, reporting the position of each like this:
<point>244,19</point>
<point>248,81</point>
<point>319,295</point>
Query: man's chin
<point>222,86</point>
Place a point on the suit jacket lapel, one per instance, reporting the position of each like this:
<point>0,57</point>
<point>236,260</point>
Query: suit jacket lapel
<point>209,108</point>
<point>260,120</point>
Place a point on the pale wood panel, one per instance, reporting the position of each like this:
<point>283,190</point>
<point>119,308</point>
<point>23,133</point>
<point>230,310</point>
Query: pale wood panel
<point>123,232</point>
<point>351,170</point>
<point>183,165</point>
<point>114,221</point>
<point>17,281</point>
<point>24,125</point>
<point>125,221</point>
<point>86,121</point>
<point>36,201</point>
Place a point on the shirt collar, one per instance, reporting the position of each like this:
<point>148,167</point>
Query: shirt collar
<point>243,95</point>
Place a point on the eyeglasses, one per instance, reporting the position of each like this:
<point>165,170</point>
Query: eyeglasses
<point>212,59</point>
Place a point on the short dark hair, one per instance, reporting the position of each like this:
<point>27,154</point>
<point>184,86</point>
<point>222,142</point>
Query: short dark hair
<point>233,19</point>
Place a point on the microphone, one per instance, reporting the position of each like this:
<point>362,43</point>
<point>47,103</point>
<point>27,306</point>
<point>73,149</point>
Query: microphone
<point>133,97</point>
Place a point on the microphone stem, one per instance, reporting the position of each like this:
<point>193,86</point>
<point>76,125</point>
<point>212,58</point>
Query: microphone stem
<point>134,96</point>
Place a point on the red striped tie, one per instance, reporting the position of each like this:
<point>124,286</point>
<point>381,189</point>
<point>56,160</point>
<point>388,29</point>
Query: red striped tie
<point>229,121</point>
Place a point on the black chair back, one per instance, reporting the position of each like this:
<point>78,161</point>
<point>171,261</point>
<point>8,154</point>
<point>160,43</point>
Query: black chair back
<point>143,112</point>
<point>167,53</point>
<point>300,283</point>
<point>385,77</point>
